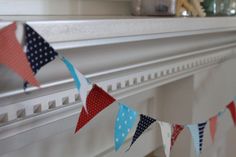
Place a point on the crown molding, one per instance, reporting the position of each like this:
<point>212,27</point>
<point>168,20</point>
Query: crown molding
<point>64,33</point>
<point>22,118</point>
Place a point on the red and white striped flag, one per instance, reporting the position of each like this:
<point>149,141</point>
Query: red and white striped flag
<point>13,56</point>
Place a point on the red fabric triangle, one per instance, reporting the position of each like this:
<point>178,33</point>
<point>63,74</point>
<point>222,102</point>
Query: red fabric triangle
<point>232,110</point>
<point>177,129</point>
<point>13,56</point>
<point>97,101</point>
<point>213,124</point>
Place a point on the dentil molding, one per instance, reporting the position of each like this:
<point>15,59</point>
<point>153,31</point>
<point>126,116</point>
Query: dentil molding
<point>128,74</point>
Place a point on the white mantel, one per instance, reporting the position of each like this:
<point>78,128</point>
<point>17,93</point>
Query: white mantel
<point>126,56</point>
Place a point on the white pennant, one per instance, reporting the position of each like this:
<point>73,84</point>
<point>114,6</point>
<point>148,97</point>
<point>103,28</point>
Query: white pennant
<point>84,87</point>
<point>82,83</point>
<point>166,137</point>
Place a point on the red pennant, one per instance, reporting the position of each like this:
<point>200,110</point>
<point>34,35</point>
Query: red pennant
<point>232,110</point>
<point>213,123</point>
<point>13,56</point>
<point>177,129</point>
<point>97,101</point>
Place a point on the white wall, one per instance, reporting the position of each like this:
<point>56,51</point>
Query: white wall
<point>214,89</point>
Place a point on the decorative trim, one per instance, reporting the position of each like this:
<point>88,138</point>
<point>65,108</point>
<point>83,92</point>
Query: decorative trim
<point>149,76</point>
<point>65,34</point>
<point>36,113</point>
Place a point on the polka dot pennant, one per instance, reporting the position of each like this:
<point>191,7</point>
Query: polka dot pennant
<point>144,123</point>
<point>38,51</point>
<point>166,137</point>
<point>177,129</point>
<point>97,101</point>
<point>197,132</point>
<point>125,121</point>
<point>13,56</point>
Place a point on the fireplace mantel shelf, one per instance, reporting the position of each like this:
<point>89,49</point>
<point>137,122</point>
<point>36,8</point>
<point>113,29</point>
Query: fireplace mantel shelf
<point>72,31</point>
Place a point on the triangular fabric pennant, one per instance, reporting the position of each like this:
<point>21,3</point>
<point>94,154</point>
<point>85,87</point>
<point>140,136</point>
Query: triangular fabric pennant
<point>97,101</point>
<point>81,82</point>
<point>232,110</point>
<point>38,51</point>
<point>213,126</point>
<point>13,56</point>
<point>177,129</point>
<point>143,124</point>
<point>197,132</point>
<point>166,137</point>
<point>125,121</point>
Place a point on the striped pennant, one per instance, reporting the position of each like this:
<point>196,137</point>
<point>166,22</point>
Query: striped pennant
<point>197,132</point>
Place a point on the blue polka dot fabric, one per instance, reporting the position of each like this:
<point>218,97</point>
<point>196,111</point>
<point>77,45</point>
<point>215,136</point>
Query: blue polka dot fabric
<point>125,121</point>
<point>38,51</point>
<point>144,123</point>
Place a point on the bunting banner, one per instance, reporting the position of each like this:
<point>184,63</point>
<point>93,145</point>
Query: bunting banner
<point>81,82</point>
<point>125,121</point>
<point>13,56</point>
<point>197,132</point>
<point>143,124</point>
<point>177,129</point>
<point>97,100</point>
<point>38,51</point>
<point>213,125</point>
<point>166,137</point>
<point>231,107</point>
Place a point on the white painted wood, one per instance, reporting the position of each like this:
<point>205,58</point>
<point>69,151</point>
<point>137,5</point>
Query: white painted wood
<point>131,58</point>
<point>78,32</point>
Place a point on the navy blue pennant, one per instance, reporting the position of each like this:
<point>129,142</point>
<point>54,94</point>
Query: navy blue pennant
<point>38,51</point>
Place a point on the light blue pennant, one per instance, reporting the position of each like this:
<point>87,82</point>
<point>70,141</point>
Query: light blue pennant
<point>197,132</point>
<point>125,120</point>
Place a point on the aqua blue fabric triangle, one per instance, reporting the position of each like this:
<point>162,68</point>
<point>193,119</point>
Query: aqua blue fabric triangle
<point>125,121</point>
<point>81,82</point>
<point>197,132</point>
<point>72,72</point>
